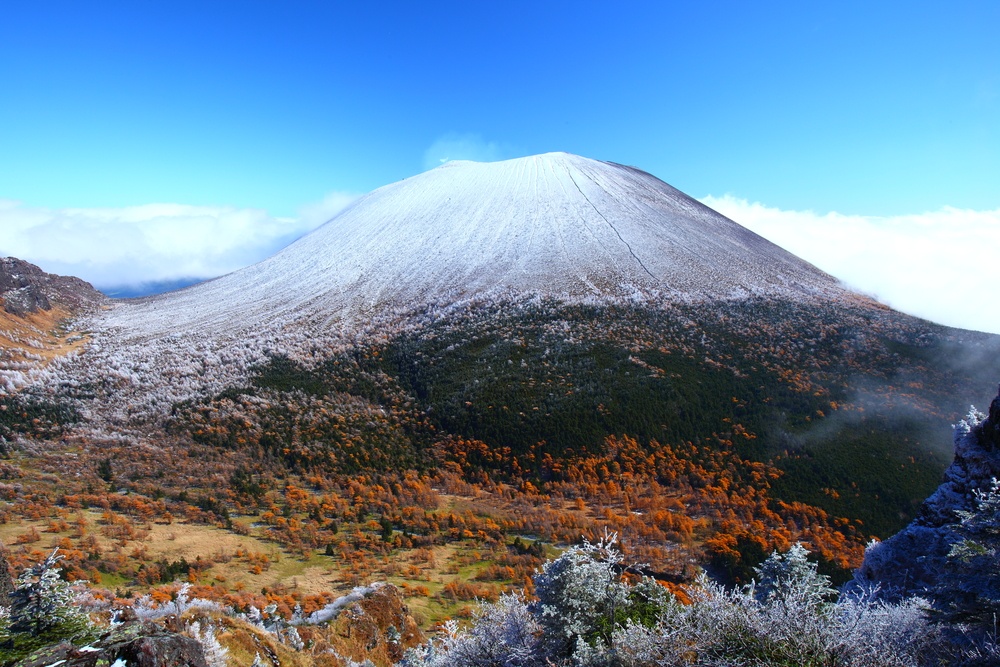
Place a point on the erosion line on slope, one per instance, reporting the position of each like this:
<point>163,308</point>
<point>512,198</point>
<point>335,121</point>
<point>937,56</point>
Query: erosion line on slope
<point>581,273</point>
<point>615,229</point>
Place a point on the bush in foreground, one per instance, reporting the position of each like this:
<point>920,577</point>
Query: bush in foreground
<point>588,615</point>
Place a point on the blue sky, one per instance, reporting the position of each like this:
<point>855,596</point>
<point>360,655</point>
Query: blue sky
<point>279,112</point>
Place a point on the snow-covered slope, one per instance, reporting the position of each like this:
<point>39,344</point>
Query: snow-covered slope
<point>556,224</point>
<point>465,234</point>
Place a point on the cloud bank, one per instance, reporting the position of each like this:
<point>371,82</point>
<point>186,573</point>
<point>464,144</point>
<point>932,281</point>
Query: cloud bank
<point>456,146</point>
<point>941,265</point>
<point>154,243</point>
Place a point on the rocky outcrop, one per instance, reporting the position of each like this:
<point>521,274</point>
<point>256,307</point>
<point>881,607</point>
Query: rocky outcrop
<point>910,562</point>
<point>133,644</point>
<point>156,647</point>
<point>25,300</point>
<point>989,431</point>
<point>26,289</point>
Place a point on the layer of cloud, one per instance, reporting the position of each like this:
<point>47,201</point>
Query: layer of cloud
<point>455,146</point>
<point>153,243</point>
<point>939,265</point>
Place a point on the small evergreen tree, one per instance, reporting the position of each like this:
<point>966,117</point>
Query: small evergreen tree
<point>784,577</point>
<point>968,590</point>
<point>41,612</point>
<point>42,601</point>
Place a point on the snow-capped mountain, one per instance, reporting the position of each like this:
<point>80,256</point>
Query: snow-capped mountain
<point>553,229</point>
<point>557,225</point>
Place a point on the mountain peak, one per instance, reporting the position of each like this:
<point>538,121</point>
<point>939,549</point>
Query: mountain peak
<point>555,225</point>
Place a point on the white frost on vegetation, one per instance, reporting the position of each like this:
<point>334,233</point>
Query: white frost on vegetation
<point>553,226</point>
<point>330,611</point>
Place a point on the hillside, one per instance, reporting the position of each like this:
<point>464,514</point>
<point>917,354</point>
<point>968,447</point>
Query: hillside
<point>477,366</point>
<point>36,309</point>
<point>37,328</point>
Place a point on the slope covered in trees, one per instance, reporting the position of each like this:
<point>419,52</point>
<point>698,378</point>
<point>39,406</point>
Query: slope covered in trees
<point>703,435</point>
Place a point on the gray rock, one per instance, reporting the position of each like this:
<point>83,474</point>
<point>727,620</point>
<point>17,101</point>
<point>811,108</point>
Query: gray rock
<point>25,300</point>
<point>136,644</point>
<point>156,647</point>
<point>910,562</point>
<point>25,289</point>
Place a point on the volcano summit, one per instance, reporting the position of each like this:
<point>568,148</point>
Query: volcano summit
<point>553,225</point>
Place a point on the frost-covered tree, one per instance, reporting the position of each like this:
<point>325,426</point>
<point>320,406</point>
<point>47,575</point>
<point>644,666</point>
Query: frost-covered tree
<point>968,589</point>
<point>791,579</point>
<point>42,611</point>
<point>583,601</point>
<point>579,596</point>
<point>42,603</point>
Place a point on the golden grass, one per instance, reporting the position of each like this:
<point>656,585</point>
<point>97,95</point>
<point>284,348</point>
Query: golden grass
<point>317,574</point>
<point>38,337</point>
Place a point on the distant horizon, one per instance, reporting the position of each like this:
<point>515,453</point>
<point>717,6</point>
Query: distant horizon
<point>148,289</point>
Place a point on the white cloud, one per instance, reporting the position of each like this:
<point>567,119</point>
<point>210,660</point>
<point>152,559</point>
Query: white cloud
<point>113,247</point>
<point>455,146</point>
<point>315,214</point>
<point>939,265</point>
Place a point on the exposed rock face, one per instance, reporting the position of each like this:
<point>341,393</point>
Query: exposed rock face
<point>134,644</point>
<point>990,429</point>
<point>25,289</point>
<point>159,648</point>
<point>376,616</point>
<point>910,562</point>
<point>382,609</point>
<point>24,300</point>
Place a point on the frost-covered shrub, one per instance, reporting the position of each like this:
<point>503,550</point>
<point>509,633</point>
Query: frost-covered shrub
<point>588,616</point>
<point>873,632</point>
<point>215,653</point>
<point>145,609</point>
<point>504,634</point>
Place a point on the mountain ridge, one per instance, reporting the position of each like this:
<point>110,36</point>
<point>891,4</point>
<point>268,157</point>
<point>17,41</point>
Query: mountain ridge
<point>26,289</point>
<point>34,318</point>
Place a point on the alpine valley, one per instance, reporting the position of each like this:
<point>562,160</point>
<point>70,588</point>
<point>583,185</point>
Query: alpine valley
<point>462,373</point>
